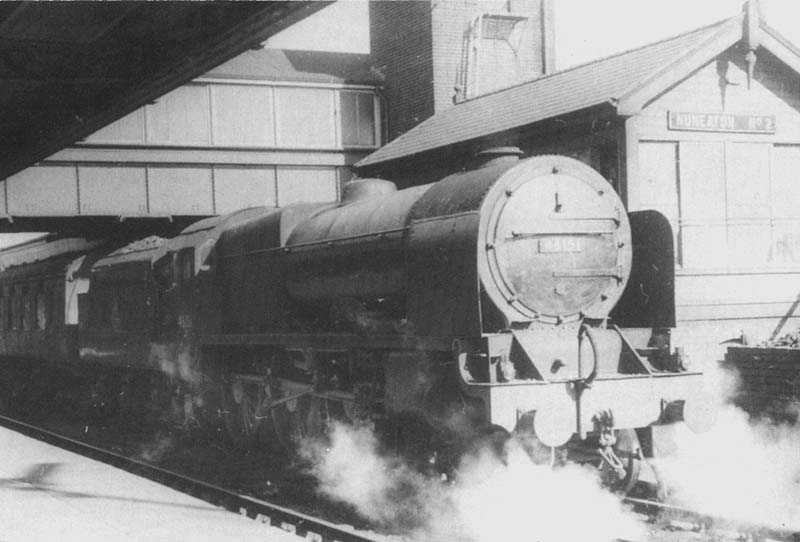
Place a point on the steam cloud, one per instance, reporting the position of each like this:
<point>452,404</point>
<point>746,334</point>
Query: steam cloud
<point>154,451</point>
<point>744,468</point>
<point>739,470</point>
<point>490,500</point>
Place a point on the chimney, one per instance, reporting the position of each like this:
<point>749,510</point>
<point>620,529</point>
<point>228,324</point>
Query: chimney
<point>434,54</point>
<point>548,36</point>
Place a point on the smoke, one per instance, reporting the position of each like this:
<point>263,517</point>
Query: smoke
<point>381,488</point>
<point>154,451</point>
<point>489,500</point>
<point>744,468</point>
<point>519,500</point>
<point>175,361</point>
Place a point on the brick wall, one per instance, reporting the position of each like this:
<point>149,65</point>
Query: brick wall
<point>423,50</point>
<point>401,49</point>
<point>490,64</point>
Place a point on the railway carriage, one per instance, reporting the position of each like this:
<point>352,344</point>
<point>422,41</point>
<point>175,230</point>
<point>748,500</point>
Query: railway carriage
<point>38,303</point>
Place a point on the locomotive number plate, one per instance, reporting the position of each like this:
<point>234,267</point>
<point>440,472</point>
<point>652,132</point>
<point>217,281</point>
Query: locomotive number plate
<point>560,244</point>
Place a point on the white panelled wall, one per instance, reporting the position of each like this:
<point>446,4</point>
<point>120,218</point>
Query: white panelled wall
<point>209,147</point>
<point>733,205</point>
<point>138,190</point>
<point>253,114</point>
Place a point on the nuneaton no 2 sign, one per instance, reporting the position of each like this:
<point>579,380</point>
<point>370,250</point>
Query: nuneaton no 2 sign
<point>721,122</point>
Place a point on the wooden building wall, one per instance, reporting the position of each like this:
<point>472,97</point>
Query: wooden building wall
<point>733,198</point>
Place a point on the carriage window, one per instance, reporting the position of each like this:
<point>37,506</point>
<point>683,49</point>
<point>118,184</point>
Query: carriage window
<point>41,310</point>
<point>19,312</point>
<point>13,313</point>
<point>162,274</point>
<point>186,265</point>
<point>134,310</point>
<point>54,305</point>
<point>18,307</point>
<point>27,309</point>
<point>114,311</point>
<point>99,308</point>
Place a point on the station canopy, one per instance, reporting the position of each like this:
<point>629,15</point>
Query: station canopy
<point>69,68</point>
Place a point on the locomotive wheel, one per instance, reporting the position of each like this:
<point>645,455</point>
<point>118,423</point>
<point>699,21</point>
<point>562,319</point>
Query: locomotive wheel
<point>413,439</point>
<point>311,417</point>
<point>306,418</point>
<point>241,403</point>
<point>541,454</point>
<point>633,467</point>
<point>493,439</point>
<point>282,424</point>
<point>627,443</point>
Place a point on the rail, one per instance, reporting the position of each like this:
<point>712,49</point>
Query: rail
<point>710,521</point>
<point>303,525</point>
<point>319,530</point>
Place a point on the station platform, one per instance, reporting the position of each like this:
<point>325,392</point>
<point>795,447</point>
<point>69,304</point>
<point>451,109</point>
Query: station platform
<point>50,494</point>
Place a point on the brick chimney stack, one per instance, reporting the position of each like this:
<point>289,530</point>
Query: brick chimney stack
<point>434,54</point>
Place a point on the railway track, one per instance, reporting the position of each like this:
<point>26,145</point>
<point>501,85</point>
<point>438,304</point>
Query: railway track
<point>303,525</point>
<point>707,522</point>
<point>316,529</point>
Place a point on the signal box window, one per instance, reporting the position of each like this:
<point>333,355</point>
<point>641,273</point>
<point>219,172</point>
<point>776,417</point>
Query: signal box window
<point>358,118</point>
<point>732,205</point>
<point>305,117</point>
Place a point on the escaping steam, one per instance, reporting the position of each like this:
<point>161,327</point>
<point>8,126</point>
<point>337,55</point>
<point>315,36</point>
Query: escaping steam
<point>154,451</point>
<point>744,469</point>
<point>489,500</point>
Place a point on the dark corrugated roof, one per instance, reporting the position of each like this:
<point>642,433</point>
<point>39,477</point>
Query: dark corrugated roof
<point>71,68</point>
<point>556,94</point>
<point>301,66</point>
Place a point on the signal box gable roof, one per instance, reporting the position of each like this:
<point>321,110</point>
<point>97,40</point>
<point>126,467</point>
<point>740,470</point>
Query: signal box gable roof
<point>625,82</point>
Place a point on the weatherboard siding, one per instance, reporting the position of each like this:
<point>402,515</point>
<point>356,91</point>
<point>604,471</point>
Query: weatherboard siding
<point>774,91</point>
<point>738,242</point>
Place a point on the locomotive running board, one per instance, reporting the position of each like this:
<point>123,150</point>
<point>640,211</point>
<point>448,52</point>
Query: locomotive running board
<point>331,341</point>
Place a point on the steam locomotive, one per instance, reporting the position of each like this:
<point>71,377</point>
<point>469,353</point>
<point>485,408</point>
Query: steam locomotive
<point>483,303</point>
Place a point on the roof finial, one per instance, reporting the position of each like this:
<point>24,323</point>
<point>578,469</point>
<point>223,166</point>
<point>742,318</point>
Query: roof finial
<point>752,23</point>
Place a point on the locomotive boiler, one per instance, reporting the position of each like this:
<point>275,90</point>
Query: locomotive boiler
<point>478,304</point>
<point>478,301</point>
